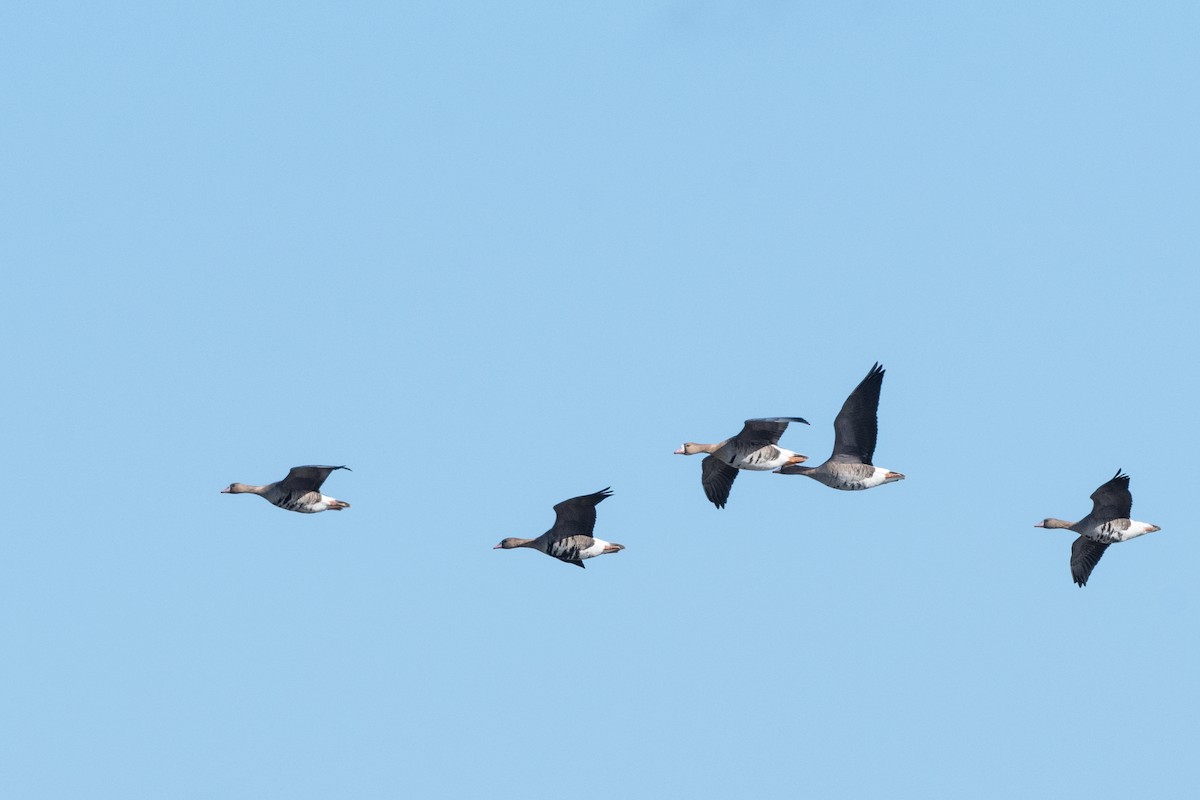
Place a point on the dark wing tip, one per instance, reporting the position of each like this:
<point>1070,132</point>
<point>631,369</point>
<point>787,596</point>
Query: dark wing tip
<point>875,374</point>
<point>873,379</point>
<point>1119,480</point>
<point>598,497</point>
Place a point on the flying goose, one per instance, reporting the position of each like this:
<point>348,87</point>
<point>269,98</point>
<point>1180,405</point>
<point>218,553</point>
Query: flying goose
<point>570,539</point>
<point>1108,523</point>
<point>755,448</point>
<point>299,491</point>
<point>854,432</point>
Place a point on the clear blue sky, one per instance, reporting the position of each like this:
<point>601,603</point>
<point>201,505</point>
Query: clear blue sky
<point>497,255</point>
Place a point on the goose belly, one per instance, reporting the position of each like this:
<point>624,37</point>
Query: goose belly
<point>853,480</point>
<point>307,508</point>
<point>306,503</point>
<point>1119,530</point>
<point>763,459</point>
<point>844,483</point>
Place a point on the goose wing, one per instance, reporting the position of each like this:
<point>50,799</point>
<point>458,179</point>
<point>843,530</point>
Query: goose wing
<point>762,431</point>
<point>577,516</point>
<point>857,425</point>
<point>1112,500</point>
<point>717,478</point>
<point>1085,555</point>
<point>307,479</point>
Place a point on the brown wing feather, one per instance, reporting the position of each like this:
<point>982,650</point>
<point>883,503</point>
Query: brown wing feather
<point>856,426</point>
<point>762,431</point>
<point>577,515</point>
<point>717,478</point>
<point>308,479</point>
<point>1112,500</point>
<point>1085,555</point>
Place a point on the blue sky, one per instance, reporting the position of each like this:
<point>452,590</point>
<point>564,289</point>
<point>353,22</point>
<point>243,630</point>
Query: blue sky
<point>492,256</point>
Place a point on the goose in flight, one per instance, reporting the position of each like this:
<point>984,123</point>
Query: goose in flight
<point>299,491</point>
<point>755,448</point>
<point>570,539</point>
<point>854,432</point>
<point>1108,523</point>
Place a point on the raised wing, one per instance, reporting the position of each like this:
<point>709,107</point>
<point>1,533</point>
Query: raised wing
<point>1112,500</point>
<point>717,478</point>
<point>1085,555</point>
<point>308,479</point>
<point>762,431</point>
<point>857,425</point>
<point>577,516</point>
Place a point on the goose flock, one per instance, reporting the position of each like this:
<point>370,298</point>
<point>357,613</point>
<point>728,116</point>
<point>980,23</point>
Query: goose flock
<point>755,448</point>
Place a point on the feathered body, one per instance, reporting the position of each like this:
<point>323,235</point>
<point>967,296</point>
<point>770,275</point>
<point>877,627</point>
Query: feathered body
<point>756,448</point>
<point>570,539</point>
<point>855,430</point>
<point>300,491</point>
<point>1108,523</point>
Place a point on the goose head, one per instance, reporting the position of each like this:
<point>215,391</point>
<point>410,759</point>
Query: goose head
<point>237,488</point>
<point>510,543</point>
<point>690,449</point>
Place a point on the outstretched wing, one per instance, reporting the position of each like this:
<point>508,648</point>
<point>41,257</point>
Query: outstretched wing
<point>857,425</point>
<point>717,478</point>
<point>1085,555</point>
<point>1112,500</point>
<point>762,431</point>
<point>577,516</point>
<point>308,479</point>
